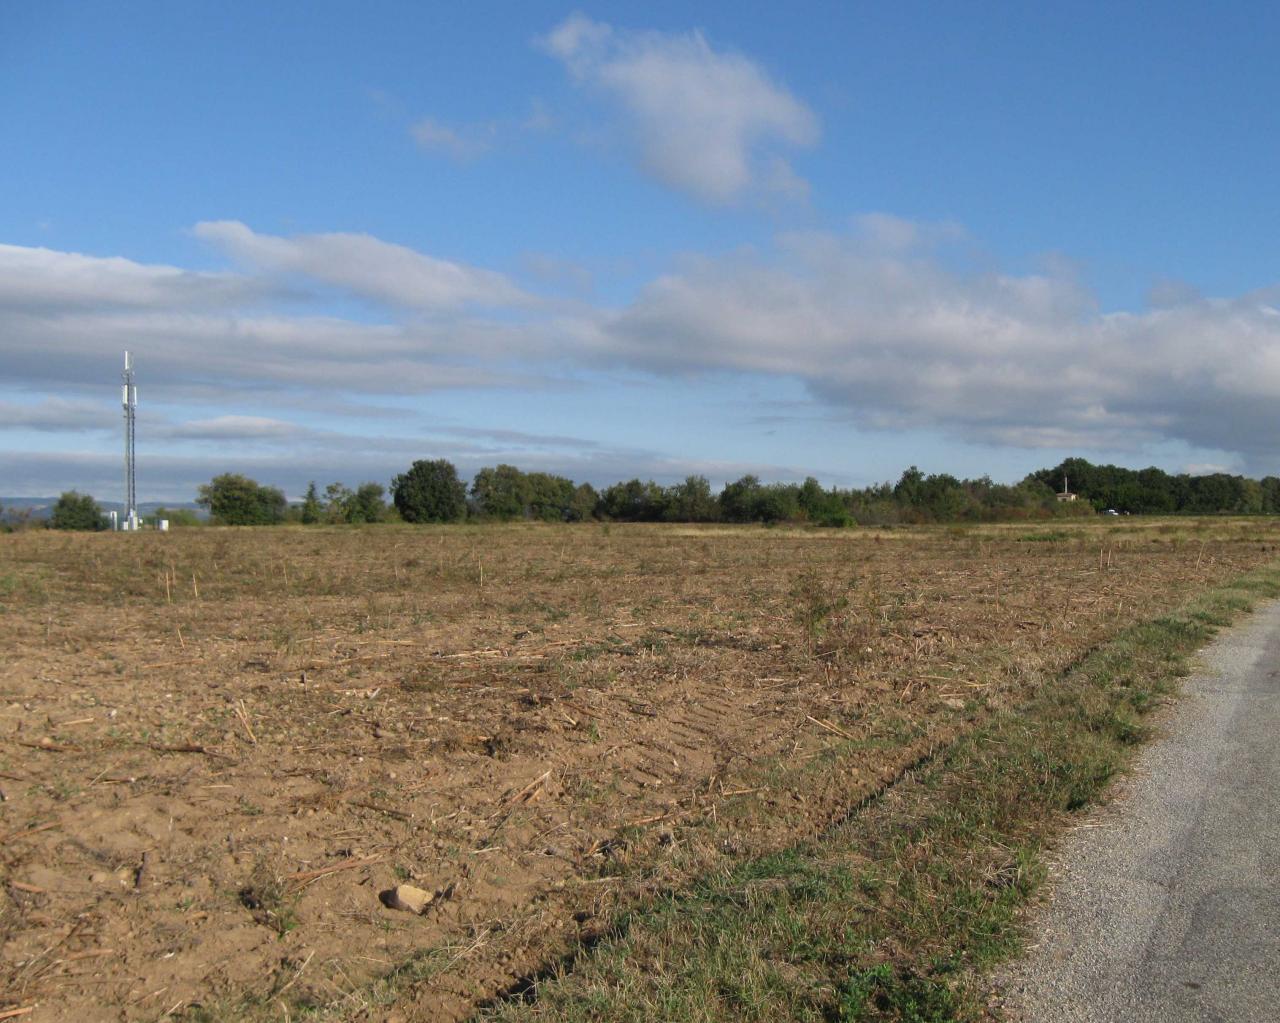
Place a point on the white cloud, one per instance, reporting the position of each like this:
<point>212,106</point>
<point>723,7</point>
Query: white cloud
<point>208,357</point>
<point>554,272</point>
<point>365,266</point>
<point>38,278</point>
<point>1167,292</point>
<point>464,143</point>
<point>460,144</point>
<point>882,324</point>
<point>706,122</point>
<point>58,415</point>
<point>1207,469</point>
<point>539,119</point>
<point>576,37</point>
<point>884,232</point>
<point>238,428</point>
<point>176,477</point>
<point>889,334</point>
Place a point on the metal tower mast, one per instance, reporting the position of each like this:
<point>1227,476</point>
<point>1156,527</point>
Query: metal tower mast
<point>129,399</point>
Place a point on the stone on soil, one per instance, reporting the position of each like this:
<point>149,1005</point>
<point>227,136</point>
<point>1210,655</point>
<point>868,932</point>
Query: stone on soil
<point>409,898</point>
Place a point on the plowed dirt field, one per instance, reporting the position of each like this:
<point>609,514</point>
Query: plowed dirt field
<point>220,749</point>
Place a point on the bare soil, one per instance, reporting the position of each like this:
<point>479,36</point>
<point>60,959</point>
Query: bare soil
<point>219,748</point>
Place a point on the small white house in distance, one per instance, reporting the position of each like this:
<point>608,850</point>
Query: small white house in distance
<point>1066,494</point>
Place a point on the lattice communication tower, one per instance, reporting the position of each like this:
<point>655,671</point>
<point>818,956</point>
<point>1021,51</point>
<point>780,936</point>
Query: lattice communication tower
<point>129,399</point>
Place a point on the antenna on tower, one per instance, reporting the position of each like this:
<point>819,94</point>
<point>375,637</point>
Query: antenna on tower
<point>129,399</point>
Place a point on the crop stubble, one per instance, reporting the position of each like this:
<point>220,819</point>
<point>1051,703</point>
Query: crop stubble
<point>217,747</point>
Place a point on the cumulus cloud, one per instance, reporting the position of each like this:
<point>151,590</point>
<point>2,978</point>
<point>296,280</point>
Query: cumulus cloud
<point>704,121</point>
<point>882,329</point>
<point>366,266</point>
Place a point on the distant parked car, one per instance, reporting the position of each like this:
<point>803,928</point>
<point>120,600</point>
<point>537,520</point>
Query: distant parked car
<point>1110,511</point>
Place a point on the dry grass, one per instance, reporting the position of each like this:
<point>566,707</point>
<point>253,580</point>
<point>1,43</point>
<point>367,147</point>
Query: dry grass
<point>547,722</point>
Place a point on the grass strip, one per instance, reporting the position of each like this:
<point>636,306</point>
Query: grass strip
<point>896,912</point>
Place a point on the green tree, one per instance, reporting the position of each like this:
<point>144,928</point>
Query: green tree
<point>739,500</point>
<point>1270,494</point>
<point>943,497</point>
<point>76,511</point>
<point>778,502</point>
<point>311,507</point>
<point>633,501</point>
<point>584,502</point>
<point>1216,492</point>
<point>430,492</point>
<point>550,497</point>
<point>691,501</point>
<point>1251,497</point>
<point>367,504</point>
<point>337,502</point>
<point>501,492</point>
<point>909,490</point>
<point>823,507</point>
<point>235,500</point>
<point>1155,492</point>
<point>811,498</point>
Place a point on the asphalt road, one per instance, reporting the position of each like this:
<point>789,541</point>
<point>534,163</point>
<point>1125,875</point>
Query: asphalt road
<point>1166,903</point>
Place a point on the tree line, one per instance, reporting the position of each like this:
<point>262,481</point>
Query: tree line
<point>432,491</point>
<point>1153,491</point>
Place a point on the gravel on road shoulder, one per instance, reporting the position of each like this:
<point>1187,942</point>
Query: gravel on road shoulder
<point>1166,903</point>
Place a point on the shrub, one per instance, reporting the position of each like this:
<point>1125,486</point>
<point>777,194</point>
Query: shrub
<point>76,511</point>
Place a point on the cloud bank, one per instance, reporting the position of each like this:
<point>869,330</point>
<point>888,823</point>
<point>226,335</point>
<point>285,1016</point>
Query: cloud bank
<point>884,324</point>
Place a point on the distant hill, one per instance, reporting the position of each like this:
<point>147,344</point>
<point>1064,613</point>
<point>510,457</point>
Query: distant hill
<point>22,503</point>
<point>42,507</point>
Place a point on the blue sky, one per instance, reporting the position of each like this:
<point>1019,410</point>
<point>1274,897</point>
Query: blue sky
<point>624,239</point>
